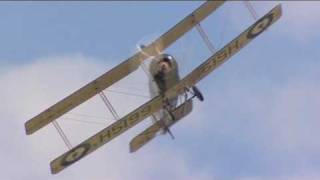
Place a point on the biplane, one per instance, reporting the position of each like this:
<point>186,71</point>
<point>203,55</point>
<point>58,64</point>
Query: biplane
<point>166,86</point>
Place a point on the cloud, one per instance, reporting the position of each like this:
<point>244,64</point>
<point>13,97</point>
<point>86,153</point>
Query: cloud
<point>261,129</point>
<point>31,88</point>
<point>272,129</point>
<point>298,21</point>
<point>296,177</point>
<point>244,130</point>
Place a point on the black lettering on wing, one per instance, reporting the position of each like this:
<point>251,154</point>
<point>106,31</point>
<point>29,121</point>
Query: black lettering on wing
<point>132,119</point>
<point>117,128</point>
<point>146,111</point>
<point>105,136</point>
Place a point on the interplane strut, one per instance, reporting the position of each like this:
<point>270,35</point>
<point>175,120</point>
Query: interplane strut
<point>157,103</point>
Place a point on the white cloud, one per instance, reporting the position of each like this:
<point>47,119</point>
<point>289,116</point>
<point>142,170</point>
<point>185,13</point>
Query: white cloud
<point>283,119</point>
<point>299,20</point>
<point>273,126</point>
<point>31,88</point>
<point>296,177</point>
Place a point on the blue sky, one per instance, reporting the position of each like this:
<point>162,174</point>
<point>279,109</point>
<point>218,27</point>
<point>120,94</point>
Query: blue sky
<point>259,121</point>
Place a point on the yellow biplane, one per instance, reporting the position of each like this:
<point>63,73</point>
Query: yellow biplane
<point>166,86</point>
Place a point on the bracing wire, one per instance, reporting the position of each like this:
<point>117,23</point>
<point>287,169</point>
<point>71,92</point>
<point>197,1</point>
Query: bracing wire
<point>89,116</point>
<point>127,93</point>
<point>205,38</point>
<point>62,134</point>
<point>109,105</point>
<point>251,9</point>
<point>85,121</point>
<point>104,98</point>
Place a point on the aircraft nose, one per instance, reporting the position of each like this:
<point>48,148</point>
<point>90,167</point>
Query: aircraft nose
<point>164,67</point>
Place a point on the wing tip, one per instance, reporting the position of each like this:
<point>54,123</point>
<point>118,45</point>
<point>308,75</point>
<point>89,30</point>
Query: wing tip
<point>53,169</point>
<point>27,129</point>
<point>132,149</point>
<point>278,9</point>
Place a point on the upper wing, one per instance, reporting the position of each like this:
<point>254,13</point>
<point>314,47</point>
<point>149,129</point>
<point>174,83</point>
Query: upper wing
<point>183,26</point>
<point>106,135</point>
<point>155,104</point>
<point>121,70</point>
<point>226,52</point>
<point>204,70</point>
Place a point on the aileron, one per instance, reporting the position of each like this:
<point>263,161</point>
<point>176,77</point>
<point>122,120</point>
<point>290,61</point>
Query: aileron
<point>122,70</point>
<point>172,96</point>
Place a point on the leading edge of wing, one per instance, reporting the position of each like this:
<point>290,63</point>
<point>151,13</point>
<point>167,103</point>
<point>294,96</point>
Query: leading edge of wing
<point>83,94</point>
<point>106,135</point>
<point>122,70</point>
<point>155,104</point>
<point>226,52</point>
<point>148,134</point>
<point>183,26</point>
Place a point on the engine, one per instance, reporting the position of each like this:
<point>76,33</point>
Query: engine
<point>164,70</point>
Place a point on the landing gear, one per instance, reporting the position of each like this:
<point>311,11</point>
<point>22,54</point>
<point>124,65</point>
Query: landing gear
<point>166,128</point>
<point>197,93</point>
<point>167,113</point>
<point>142,46</point>
<point>163,123</point>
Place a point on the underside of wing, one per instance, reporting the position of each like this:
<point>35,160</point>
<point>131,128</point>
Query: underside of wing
<point>148,134</point>
<point>83,94</point>
<point>106,135</point>
<point>155,104</point>
<point>183,26</point>
<point>122,70</point>
<point>226,52</point>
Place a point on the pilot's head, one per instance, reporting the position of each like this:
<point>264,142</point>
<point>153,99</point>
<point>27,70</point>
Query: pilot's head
<point>165,63</point>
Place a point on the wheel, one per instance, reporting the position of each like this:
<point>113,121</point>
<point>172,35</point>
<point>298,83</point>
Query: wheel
<point>197,93</point>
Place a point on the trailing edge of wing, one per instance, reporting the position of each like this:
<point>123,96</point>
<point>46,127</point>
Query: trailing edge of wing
<point>226,52</point>
<point>183,26</point>
<point>148,134</point>
<point>155,104</point>
<point>122,70</point>
<point>106,135</point>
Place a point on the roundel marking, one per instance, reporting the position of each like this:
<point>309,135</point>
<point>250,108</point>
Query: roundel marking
<point>260,26</point>
<point>76,154</point>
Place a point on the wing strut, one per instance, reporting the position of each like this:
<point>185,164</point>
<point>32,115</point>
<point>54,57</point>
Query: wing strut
<point>225,53</point>
<point>122,70</point>
<point>106,135</point>
<point>106,101</point>
<point>253,12</point>
<point>157,103</point>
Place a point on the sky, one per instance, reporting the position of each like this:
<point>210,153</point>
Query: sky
<point>259,120</point>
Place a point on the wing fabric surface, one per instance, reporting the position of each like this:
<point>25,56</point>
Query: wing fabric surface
<point>106,135</point>
<point>122,70</point>
<point>226,52</point>
<point>148,134</point>
<point>155,104</point>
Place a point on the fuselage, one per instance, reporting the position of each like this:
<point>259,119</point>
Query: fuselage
<point>165,74</point>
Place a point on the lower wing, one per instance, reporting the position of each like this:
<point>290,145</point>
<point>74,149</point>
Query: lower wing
<point>106,135</point>
<point>122,70</point>
<point>226,52</point>
<point>156,103</point>
<point>148,134</point>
